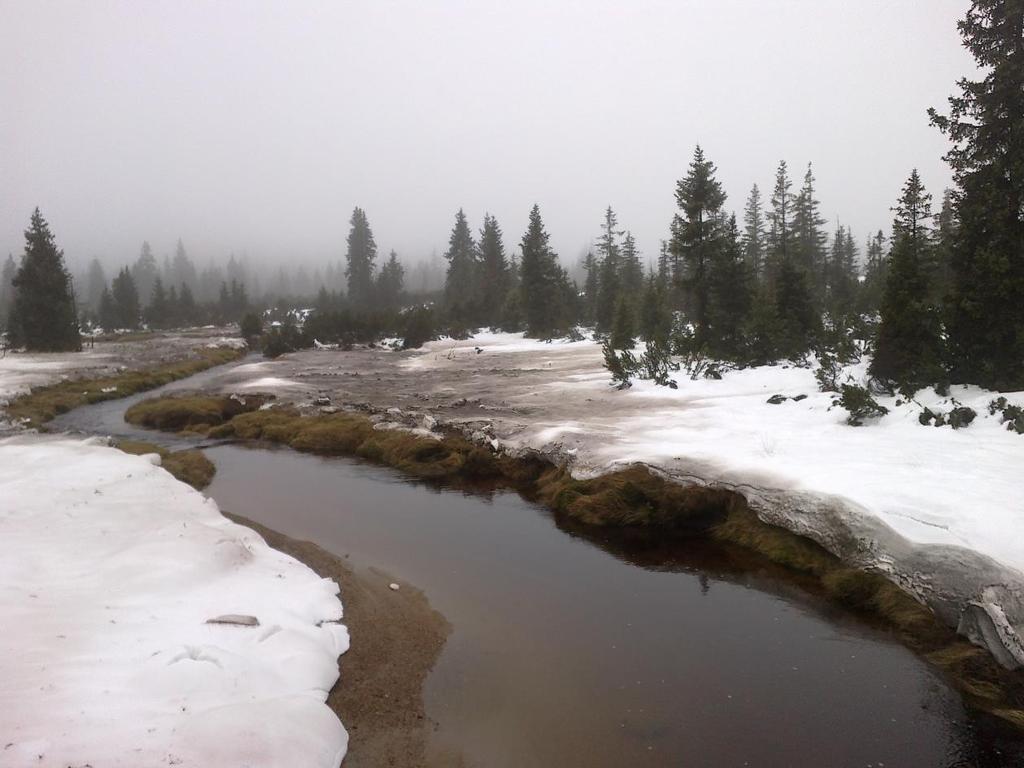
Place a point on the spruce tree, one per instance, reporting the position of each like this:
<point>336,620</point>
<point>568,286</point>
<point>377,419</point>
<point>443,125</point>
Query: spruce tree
<point>609,282</point>
<point>908,351</point>
<point>754,236</point>
<point>391,282</point>
<point>731,296</point>
<point>95,282</point>
<point>107,312</point>
<point>632,278</point>
<point>985,319</point>
<point>592,267</point>
<point>809,239</point>
<point>145,270</point>
<point>654,320</point>
<point>697,236</point>
<point>156,311</point>
<point>780,220</point>
<point>798,323</point>
<point>870,296</point>
<point>542,283</point>
<point>461,278</point>
<point>10,269</point>
<point>126,300</point>
<point>43,317</point>
<point>623,333</point>
<point>940,270</point>
<point>494,277</point>
<point>362,250</point>
<point>182,268</point>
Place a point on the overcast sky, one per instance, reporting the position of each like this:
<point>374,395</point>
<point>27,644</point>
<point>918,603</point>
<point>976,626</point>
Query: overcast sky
<point>246,126</point>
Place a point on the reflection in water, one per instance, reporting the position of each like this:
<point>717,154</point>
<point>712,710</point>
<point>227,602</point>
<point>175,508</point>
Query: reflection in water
<point>666,653</point>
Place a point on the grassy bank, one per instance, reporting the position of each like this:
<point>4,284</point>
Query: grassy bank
<point>190,467</point>
<point>630,497</point>
<point>42,404</point>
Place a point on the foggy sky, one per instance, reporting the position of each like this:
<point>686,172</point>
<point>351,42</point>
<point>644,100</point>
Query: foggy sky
<point>245,126</point>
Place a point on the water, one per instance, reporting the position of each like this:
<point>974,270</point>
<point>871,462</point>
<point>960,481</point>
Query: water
<point>583,648</point>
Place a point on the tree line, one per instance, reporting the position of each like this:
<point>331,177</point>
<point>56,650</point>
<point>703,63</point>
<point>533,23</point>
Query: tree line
<point>940,300</point>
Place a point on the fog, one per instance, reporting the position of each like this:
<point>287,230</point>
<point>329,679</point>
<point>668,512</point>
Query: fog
<point>256,127</point>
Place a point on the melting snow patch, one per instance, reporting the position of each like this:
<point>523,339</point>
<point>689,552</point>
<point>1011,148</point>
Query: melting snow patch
<point>110,572</point>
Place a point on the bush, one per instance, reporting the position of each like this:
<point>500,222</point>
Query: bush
<point>1010,415</point>
<point>419,328</point>
<point>251,327</point>
<point>860,405</point>
<point>622,366</point>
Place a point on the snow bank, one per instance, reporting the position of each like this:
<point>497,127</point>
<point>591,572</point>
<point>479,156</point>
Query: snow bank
<point>940,510</point>
<point>110,570</point>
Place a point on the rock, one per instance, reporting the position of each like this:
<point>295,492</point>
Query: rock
<point>798,398</point>
<point>393,587</point>
<point>961,416</point>
<point>235,619</point>
<point>777,399</point>
<point>322,400</point>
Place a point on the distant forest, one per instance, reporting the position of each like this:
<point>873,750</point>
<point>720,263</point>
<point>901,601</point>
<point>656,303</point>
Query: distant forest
<point>939,299</point>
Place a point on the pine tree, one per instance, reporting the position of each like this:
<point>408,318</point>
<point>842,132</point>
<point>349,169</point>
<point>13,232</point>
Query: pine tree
<point>780,220</point>
<point>126,300</point>
<point>95,282</point>
<point>157,310</point>
<point>809,239</point>
<point>840,275</point>
<point>908,351</point>
<point>697,236</point>
<point>362,250</point>
<point>145,270</point>
<point>44,317</point>
<point>7,274</point>
<point>609,285</point>
<point>754,237</point>
<point>623,333</point>
<point>870,297</point>
<point>182,268</point>
<point>632,269</point>
<point>654,318</point>
<point>798,321</point>
<point>186,310</point>
<point>494,276</point>
<point>391,282</point>
<point>461,279</point>
<point>107,312</point>
<point>542,283</point>
<point>592,267</point>
<point>730,298</point>
<point>940,269</point>
<point>985,321</point>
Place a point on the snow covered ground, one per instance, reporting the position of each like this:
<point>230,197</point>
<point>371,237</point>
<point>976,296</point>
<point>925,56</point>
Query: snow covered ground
<point>933,485</point>
<point>110,574</point>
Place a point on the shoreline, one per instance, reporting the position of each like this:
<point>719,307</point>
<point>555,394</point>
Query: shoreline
<point>396,639</point>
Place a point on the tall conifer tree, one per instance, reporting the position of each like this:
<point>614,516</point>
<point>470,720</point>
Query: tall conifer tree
<point>44,317</point>
<point>361,253</point>
<point>986,125</point>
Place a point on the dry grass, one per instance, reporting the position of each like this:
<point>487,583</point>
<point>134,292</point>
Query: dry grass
<point>190,467</point>
<point>44,403</point>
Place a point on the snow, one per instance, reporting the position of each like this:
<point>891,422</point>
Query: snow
<point>19,372</point>
<point>269,382</point>
<point>110,570</point>
<point>933,485</point>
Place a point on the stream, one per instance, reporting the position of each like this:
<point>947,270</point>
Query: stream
<point>588,647</point>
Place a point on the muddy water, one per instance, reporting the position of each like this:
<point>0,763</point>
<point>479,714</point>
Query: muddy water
<point>583,648</point>
<point>612,652</point>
